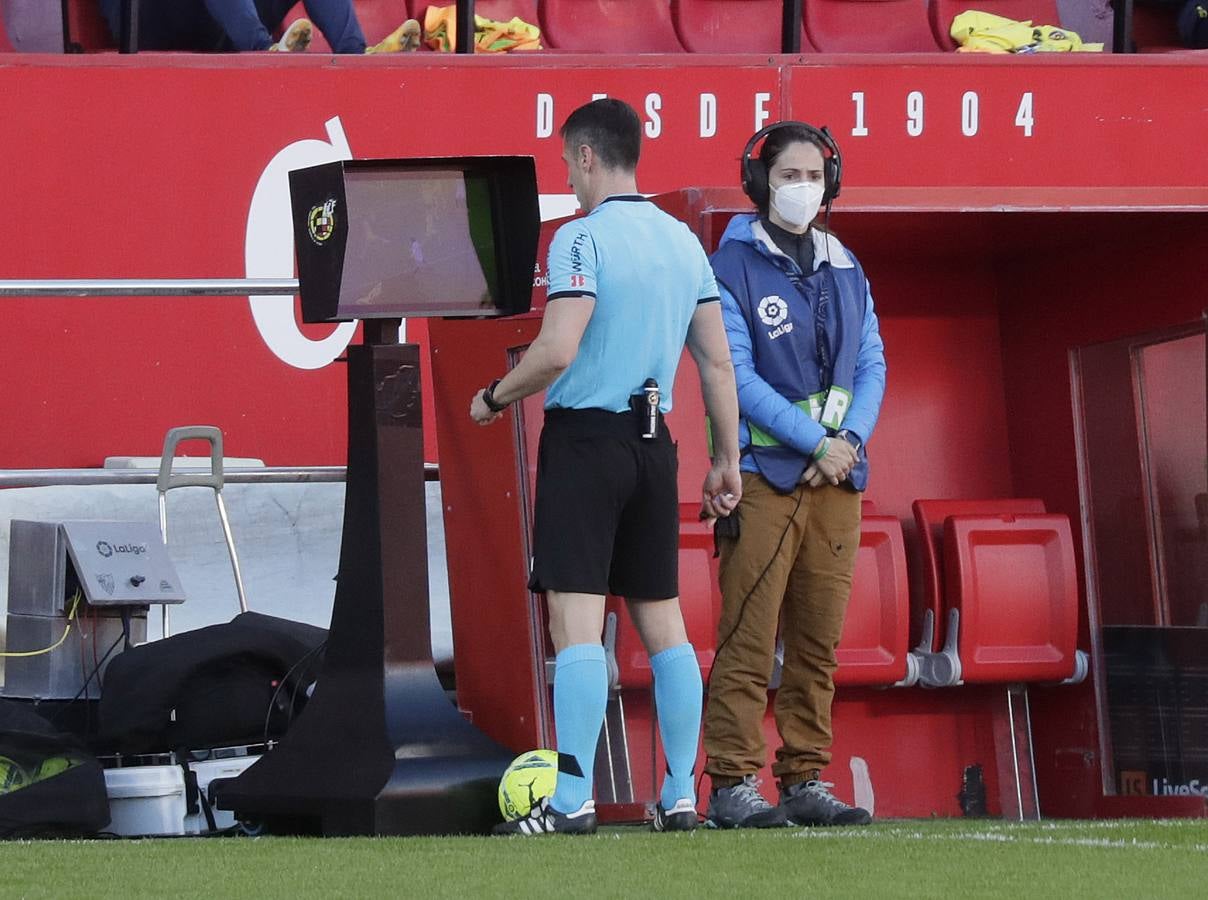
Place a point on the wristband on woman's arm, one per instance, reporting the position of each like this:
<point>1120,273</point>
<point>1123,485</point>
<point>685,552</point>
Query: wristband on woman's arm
<point>821,450</point>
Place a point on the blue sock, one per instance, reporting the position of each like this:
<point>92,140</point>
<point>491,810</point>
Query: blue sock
<point>677,697</point>
<point>580,698</point>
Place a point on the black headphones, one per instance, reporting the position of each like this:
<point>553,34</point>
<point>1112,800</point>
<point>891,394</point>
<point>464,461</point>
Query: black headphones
<point>755,171</point>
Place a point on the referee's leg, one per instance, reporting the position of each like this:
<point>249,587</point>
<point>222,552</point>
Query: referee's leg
<point>576,622</point>
<point>577,618</point>
<point>677,695</point>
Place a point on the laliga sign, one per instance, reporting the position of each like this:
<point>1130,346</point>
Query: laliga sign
<point>269,252</point>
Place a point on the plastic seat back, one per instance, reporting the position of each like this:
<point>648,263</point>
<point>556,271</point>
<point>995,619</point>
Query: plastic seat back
<point>609,26</point>
<point>728,26</point>
<point>1015,582</point>
<point>868,26</point>
<point>875,641</point>
<point>84,28</point>
<point>929,515</point>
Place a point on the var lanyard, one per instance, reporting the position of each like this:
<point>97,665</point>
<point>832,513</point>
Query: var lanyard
<point>822,311</point>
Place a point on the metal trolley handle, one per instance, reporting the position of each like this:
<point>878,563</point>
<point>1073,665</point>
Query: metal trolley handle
<point>169,480</point>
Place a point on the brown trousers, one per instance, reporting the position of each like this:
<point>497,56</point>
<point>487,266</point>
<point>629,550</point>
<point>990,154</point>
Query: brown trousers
<point>804,591</point>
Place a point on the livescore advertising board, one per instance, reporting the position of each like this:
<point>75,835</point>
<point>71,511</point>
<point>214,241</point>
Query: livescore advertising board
<point>176,166</point>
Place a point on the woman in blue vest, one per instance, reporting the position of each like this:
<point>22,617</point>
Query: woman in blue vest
<point>810,368</point>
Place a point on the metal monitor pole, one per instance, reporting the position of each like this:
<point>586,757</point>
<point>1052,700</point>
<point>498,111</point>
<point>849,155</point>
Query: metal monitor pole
<point>379,749</point>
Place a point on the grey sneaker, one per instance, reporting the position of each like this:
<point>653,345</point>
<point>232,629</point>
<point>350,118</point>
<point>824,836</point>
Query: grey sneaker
<point>812,803</point>
<point>742,806</point>
<point>544,819</point>
<point>681,817</point>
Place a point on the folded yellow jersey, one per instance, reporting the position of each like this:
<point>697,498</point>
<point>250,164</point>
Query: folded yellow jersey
<point>440,32</point>
<point>981,32</point>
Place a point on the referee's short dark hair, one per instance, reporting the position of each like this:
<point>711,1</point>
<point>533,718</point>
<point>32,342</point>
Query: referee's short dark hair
<point>611,128</point>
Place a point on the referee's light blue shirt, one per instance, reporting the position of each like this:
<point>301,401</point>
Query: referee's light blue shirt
<point>647,273</point>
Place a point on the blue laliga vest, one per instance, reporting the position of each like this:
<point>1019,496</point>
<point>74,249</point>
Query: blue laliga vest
<point>783,310</point>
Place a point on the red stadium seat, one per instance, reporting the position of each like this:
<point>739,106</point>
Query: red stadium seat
<point>609,26</point>
<point>868,26</point>
<point>1014,581</point>
<point>1041,12</point>
<point>1155,29</point>
<point>729,26</point>
<point>875,643</point>
<point>929,515</point>
<point>84,28</point>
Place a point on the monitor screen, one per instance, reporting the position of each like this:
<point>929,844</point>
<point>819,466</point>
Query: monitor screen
<point>434,236</point>
<point>421,240</point>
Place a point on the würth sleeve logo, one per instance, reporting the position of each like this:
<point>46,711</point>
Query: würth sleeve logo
<point>578,281</point>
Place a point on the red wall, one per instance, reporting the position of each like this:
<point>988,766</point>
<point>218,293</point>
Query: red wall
<point>125,167</point>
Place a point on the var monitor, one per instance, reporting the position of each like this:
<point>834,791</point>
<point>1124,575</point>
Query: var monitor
<point>405,238</point>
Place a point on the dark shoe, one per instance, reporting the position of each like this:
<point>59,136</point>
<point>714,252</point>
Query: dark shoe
<point>812,803</point>
<point>544,819</point>
<point>681,817</point>
<point>742,806</point>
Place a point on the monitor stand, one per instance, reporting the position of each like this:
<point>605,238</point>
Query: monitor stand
<point>379,749</point>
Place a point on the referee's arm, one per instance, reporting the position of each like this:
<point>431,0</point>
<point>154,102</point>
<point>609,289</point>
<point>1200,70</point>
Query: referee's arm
<point>711,352</point>
<point>554,349</point>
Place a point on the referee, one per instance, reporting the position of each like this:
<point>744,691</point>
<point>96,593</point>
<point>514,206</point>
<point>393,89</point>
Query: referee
<point>630,286</point>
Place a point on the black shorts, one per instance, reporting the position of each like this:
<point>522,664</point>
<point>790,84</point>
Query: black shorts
<point>607,510</point>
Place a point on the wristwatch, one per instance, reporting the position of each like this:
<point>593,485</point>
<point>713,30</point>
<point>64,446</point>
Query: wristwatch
<point>850,438</point>
<point>488,397</point>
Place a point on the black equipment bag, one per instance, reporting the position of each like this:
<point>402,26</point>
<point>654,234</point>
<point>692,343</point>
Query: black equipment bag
<point>50,786</point>
<point>219,680</point>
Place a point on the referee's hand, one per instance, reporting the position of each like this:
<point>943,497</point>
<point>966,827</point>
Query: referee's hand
<point>480,412</point>
<point>721,492</point>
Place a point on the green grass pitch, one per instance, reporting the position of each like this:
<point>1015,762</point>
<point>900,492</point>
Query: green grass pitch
<point>932,859</point>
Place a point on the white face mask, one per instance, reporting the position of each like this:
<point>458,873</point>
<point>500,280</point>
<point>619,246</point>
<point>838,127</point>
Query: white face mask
<point>797,203</point>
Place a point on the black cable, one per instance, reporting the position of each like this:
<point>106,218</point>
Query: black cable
<point>293,697</point>
<point>95,672</point>
<point>742,607</point>
<point>126,615</point>
<point>285,680</point>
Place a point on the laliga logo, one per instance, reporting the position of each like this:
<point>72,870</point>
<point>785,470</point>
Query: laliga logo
<point>773,311</point>
<point>269,251</point>
<point>107,550</point>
